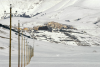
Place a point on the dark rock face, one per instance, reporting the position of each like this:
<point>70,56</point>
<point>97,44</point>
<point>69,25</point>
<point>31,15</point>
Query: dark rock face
<point>43,28</point>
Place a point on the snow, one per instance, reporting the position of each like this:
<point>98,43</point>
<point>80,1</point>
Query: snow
<point>63,55</point>
<point>89,4</point>
<point>84,15</point>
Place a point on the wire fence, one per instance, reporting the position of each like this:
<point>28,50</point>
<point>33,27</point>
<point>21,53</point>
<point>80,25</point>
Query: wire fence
<point>27,51</point>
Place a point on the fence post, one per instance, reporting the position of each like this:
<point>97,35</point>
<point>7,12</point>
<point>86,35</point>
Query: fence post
<point>10,38</point>
<point>18,44</point>
<point>10,33</point>
<point>33,47</point>
<point>29,53</point>
<point>22,50</point>
<point>26,53</point>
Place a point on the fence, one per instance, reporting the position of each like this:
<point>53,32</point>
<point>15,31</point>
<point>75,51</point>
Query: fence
<point>26,50</point>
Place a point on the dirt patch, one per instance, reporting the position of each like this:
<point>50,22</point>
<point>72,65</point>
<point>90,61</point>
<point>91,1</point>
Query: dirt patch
<point>4,37</point>
<point>2,48</point>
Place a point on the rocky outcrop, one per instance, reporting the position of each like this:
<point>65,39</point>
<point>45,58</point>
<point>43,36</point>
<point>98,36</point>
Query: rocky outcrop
<point>54,26</point>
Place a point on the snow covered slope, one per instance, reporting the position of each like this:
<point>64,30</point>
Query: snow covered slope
<point>84,15</point>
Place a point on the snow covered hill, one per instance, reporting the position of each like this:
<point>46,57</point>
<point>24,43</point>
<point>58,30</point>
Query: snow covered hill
<point>86,11</point>
<point>82,15</point>
<point>59,48</point>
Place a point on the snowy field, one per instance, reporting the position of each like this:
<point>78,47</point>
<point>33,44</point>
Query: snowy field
<point>59,55</point>
<point>53,49</point>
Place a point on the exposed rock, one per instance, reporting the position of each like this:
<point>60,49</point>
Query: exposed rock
<point>36,28</point>
<point>26,29</point>
<point>53,26</point>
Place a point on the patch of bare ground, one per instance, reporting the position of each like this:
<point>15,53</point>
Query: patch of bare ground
<point>2,48</point>
<point>4,37</point>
